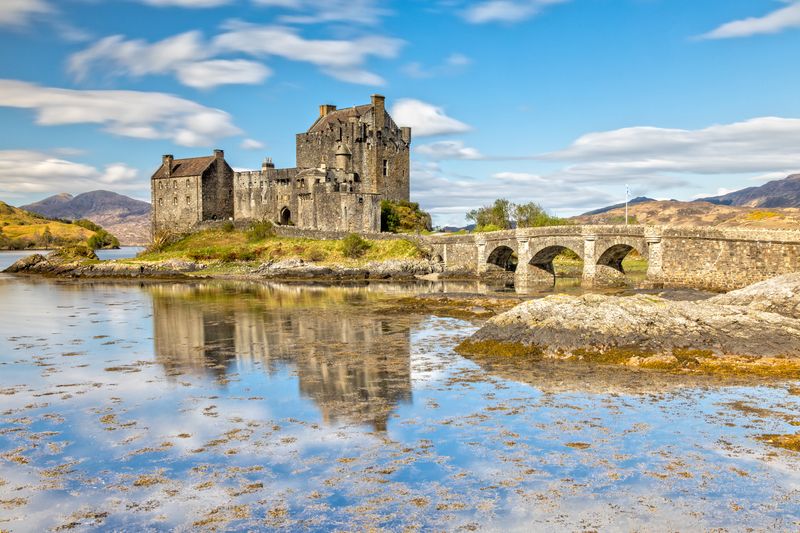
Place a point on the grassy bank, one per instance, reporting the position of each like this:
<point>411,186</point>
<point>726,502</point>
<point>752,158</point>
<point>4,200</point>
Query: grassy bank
<point>220,246</point>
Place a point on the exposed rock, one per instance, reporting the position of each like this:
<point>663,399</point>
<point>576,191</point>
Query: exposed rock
<point>779,295</point>
<point>641,325</point>
<point>66,264</point>
<point>26,263</point>
<point>299,269</point>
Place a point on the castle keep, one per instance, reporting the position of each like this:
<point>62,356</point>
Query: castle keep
<point>347,162</point>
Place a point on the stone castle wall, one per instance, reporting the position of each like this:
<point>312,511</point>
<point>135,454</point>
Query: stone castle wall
<point>177,203</point>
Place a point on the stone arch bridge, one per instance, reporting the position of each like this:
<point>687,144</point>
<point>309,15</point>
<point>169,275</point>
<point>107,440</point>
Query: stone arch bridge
<point>709,258</point>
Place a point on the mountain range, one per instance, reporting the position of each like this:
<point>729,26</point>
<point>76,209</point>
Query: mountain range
<point>126,218</point>
<point>779,193</point>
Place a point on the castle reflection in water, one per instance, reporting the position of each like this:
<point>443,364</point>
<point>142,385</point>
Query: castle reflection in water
<point>353,364</point>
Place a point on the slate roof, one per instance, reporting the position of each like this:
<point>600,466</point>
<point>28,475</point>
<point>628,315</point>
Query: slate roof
<point>184,168</point>
<point>340,115</point>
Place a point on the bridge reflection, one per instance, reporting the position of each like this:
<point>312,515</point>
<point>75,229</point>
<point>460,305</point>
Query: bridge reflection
<point>355,366</point>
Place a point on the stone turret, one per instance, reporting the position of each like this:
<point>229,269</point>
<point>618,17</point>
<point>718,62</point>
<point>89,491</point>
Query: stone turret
<point>343,157</point>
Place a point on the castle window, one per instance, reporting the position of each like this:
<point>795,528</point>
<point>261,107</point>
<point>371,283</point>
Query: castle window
<point>385,167</point>
<point>175,184</point>
<point>175,201</point>
<point>188,200</point>
<point>360,200</point>
<point>188,183</point>
<point>160,202</point>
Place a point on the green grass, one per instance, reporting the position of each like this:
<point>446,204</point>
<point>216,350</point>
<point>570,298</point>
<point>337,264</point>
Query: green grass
<point>217,246</point>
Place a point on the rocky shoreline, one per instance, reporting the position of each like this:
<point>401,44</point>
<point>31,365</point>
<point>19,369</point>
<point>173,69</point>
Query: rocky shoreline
<point>57,265</point>
<point>752,330</point>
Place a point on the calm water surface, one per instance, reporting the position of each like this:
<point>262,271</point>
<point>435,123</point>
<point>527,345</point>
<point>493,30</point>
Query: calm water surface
<point>7,258</point>
<point>238,406</point>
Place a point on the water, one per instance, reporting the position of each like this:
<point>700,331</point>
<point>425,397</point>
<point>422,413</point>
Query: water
<point>243,407</point>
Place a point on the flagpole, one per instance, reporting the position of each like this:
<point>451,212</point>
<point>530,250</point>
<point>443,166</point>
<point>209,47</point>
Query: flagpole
<point>627,195</point>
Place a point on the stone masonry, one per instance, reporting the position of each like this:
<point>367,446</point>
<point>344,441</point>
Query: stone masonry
<point>347,162</point>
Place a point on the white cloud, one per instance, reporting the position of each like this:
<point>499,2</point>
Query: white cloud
<point>342,59</point>
<point>20,12</point>
<point>759,145</point>
<point>208,74</point>
<point>773,22</point>
<point>198,64</point>
<point>442,150</point>
<point>143,115</point>
<point>449,197</point>
<point>324,11</point>
<point>506,10</point>
<point>425,119</point>
<point>252,144</point>
<point>24,172</point>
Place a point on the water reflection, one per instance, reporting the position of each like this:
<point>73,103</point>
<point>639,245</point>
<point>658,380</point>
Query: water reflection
<point>354,365</point>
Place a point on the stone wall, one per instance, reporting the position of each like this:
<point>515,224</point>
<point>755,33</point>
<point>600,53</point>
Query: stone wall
<point>217,191</point>
<point>337,211</point>
<point>262,195</point>
<point>177,204</point>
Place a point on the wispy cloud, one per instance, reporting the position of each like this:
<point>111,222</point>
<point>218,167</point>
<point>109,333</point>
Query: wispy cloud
<point>252,144</point>
<point>24,172</point>
<point>21,12</point>
<point>759,145</point>
<point>442,150</point>
<point>508,11</point>
<point>325,11</point>
<point>201,64</point>
<point>425,119</point>
<point>773,22</point>
<point>141,115</point>
<point>453,64</point>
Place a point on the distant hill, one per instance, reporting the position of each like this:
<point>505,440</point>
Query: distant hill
<point>637,200</point>
<point>779,193</point>
<point>674,213</point>
<point>20,229</point>
<point>128,219</point>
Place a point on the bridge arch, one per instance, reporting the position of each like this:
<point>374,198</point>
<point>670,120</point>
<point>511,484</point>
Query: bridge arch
<point>615,254</point>
<point>504,257</point>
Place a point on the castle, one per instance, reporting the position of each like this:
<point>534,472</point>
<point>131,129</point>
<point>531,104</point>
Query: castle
<point>347,162</point>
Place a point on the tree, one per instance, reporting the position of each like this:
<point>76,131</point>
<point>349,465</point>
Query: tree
<point>497,215</point>
<point>532,215</point>
<point>403,216</point>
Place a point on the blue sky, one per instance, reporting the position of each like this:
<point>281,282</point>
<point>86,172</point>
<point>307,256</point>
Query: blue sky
<point>562,102</point>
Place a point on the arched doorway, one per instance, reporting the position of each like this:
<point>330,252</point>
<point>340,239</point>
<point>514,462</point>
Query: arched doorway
<point>285,217</point>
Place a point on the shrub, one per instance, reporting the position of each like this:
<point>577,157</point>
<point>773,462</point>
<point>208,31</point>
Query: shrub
<point>353,246</point>
<point>102,239</point>
<point>316,255</point>
<point>75,252</point>
<point>228,226</point>
<point>259,231</point>
<point>161,240</point>
<point>487,227</point>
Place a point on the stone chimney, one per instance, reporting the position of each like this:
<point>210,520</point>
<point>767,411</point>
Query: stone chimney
<point>405,133</point>
<point>326,109</point>
<point>219,154</point>
<point>267,163</point>
<point>379,106</point>
<point>166,161</point>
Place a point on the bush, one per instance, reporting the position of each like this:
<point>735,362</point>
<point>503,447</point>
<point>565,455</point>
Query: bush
<point>228,227</point>
<point>316,255</point>
<point>259,231</point>
<point>487,227</point>
<point>353,246</point>
<point>102,239</point>
<point>161,240</point>
<point>75,252</point>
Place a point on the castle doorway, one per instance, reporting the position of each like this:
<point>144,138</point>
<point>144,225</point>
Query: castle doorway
<point>286,217</point>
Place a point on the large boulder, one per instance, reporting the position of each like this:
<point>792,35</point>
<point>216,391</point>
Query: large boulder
<point>779,295</point>
<point>563,326</point>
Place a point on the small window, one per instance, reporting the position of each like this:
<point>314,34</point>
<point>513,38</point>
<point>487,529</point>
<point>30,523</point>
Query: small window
<point>175,201</point>
<point>188,200</point>
<point>160,202</point>
<point>385,167</point>
<point>360,200</point>
<point>161,185</point>
<point>175,184</point>
<point>188,183</point>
